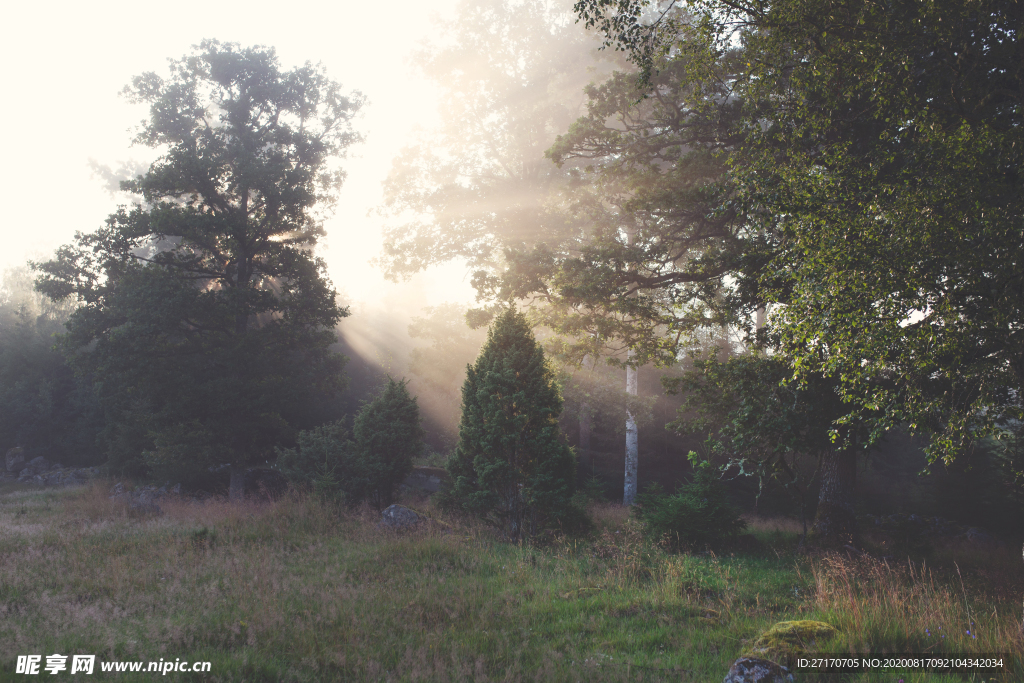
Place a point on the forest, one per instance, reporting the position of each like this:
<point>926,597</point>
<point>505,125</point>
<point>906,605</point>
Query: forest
<point>740,393</point>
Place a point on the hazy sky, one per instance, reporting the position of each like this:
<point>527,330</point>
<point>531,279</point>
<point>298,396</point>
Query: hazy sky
<point>67,63</point>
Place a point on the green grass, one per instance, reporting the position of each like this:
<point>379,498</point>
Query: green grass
<point>298,591</point>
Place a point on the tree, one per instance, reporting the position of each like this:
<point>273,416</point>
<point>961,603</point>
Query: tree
<point>511,466</point>
<point>769,427</point>
<point>44,407</point>
<point>203,312</point>
<point>512,75</point>
<point>699,515</point>
<point>643,269</point>
<point>439,367</point>
<point>875,134</point>
<point>387,437</point>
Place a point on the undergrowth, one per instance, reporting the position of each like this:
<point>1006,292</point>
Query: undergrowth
<point>300,590</point>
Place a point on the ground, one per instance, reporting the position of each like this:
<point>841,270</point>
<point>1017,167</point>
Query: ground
<point>297,590</point>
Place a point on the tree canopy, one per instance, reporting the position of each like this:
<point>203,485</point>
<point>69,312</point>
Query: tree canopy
<point>877,178</point>
<point>511,75</point>
<point>202,310</point>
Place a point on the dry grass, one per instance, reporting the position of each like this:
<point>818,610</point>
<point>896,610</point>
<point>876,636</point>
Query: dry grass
<point>296,590</point>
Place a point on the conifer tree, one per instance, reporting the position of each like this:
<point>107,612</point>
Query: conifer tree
<point>511,467</point>
<point>387,437</point>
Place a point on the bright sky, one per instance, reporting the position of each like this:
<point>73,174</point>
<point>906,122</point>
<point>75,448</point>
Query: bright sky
<point>67,62</point>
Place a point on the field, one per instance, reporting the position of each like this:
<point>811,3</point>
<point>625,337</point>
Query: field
<point>297,590</point>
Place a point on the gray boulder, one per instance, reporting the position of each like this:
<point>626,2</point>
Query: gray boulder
<point>757,670</point>
<point>40,465</point>
<point>399,517</point>
<point>15,459</point>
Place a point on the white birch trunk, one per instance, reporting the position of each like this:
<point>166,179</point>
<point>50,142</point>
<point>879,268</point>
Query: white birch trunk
<point>632,440</point>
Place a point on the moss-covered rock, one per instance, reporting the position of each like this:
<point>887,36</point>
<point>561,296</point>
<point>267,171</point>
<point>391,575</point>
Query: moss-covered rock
<point>787,640</point>
<point>754,670</point>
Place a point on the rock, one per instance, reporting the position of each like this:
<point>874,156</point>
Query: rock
<point>399,517</point>
<point>757,670</point>
<point>15,459</point>
<point>142,501</point>
<point>40,464</point>
<point>787,640</point>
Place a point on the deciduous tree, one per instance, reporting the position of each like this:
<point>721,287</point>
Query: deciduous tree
<point>203,310</point>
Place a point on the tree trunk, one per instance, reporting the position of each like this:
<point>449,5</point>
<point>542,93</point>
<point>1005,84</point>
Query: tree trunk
<point>834,522</point>
<point>236,488</point>
<point>632,441</point>
<point>586,426</point>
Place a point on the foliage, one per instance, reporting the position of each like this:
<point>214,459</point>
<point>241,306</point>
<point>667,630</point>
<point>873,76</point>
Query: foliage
<point>511,466</point>
<point>453,345</point>
<point>643,267</point>
<point>1010,454</point>
<point>697,516</point>
<point>511,74</point>
<point>765,424</point>
<point>203,305</point>
<point>873,135</point>
<point>324,463</point>
<point>44,407</point>
<point>387,438</point>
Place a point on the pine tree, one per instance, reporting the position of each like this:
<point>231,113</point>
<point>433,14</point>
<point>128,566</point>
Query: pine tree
<point>387,436</point>
<point>511,467</point>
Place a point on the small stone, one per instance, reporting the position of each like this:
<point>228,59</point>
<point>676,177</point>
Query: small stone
<point>757,670</point>
<point>399,517</point>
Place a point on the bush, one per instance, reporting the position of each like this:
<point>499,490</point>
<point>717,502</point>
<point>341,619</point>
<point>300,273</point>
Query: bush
<point>370,466</point>
<point>387,438</point>
<point>324,464</point>
<point>697,516</point>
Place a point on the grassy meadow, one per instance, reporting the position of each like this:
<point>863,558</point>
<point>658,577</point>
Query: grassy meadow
<point>297,590</point>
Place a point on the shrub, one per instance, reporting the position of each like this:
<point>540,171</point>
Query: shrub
<point>697,516</point>
<point>387,438</point>
<point>323,463</point>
